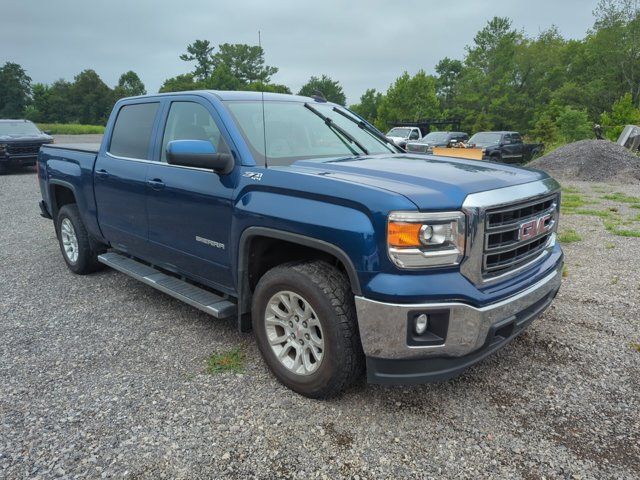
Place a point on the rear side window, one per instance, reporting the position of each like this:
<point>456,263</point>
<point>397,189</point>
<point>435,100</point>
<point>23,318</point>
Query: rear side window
<point>132,131</point>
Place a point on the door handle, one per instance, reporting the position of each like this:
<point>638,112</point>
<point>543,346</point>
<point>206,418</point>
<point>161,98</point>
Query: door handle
<point>102,173</point>
<point>156,184</point>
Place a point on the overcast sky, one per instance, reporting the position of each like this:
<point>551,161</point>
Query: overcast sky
<point>362,44</point>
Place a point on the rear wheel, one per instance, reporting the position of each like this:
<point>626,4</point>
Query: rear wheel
<point>80,254</point>
<point>305,324</point>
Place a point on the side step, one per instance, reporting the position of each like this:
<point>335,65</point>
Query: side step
<point>202,299</point>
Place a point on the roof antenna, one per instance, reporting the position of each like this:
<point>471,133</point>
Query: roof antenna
<point>264,124</point>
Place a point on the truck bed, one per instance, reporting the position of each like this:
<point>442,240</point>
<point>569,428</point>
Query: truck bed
<point>79,147</point>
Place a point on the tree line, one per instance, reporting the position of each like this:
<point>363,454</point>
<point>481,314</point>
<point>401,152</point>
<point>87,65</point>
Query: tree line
<point>552,88</point>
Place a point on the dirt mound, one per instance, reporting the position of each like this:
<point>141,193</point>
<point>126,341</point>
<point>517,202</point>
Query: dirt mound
<point>591,161</point>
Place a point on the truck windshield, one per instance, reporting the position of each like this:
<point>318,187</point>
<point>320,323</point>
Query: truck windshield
<point>18,128</point>
<point>399,132</point>
<point>485,138</point>
<point>294,132</point>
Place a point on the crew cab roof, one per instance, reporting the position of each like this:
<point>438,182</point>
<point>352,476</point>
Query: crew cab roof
<point>229,95</point>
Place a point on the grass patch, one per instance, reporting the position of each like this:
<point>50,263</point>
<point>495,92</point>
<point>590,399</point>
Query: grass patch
<point>573,200</point>
<point>615,280</point>
<point>635,346</point>
<point>565,271</point>
<point>615,229</point>
<point>231,361</point>
<point>569,236</point>
<point>71,128</point>
<point>595,213</point>
<point>610,246</point>
<point>621,197</point>
<point>570,189</point>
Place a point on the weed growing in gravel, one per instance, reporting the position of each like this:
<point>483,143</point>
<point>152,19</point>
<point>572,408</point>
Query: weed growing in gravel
<point>565,271</point>
<point>231,361</point>
<point>621,197</point>
<point>614,228</point>
<point>635,346</point>
<point>569,236</point>
<point>595,213</point>
<point>573,200</point>
<point>569,189</point>
<point>610,246</point>
<point>615,280</point>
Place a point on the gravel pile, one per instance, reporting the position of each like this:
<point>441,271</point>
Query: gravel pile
<point>592,161</point>
<point>104,377</point>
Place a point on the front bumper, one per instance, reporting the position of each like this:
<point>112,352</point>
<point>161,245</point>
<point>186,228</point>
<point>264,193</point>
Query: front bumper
<point>458,336</point>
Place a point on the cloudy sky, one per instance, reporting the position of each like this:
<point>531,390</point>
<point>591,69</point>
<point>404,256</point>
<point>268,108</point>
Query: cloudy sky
<point>362,44</point>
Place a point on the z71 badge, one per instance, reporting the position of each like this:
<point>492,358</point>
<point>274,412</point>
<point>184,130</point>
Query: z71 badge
<point>257,176</point>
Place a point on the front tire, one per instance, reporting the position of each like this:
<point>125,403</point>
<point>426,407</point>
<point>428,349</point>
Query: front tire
<point>305,324</point>
<point>77,250</point>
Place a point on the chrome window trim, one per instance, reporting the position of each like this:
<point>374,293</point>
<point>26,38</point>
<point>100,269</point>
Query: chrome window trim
<point>158,163</point>
<point>475,206</point>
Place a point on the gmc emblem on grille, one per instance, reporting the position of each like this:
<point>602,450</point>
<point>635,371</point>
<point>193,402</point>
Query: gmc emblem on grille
<point>535,227</point>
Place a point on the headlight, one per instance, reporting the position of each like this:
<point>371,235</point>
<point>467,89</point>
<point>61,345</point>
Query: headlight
<point>419,240</point>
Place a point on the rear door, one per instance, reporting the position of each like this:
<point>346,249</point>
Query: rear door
<point>190,209</point>
<point>120,176</point>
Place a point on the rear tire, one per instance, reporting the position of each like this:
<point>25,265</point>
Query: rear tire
<point>305,324</point>
<point>78,251</point>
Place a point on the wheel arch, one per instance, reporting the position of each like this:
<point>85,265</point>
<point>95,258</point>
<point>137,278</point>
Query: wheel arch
<point>299,247</point>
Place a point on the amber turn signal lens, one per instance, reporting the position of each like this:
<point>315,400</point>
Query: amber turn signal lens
<point>404,234</point>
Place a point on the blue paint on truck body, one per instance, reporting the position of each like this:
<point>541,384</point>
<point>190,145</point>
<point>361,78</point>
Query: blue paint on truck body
<point>342,203</point>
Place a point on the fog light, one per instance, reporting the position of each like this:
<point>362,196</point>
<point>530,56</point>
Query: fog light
<point>422,322</point>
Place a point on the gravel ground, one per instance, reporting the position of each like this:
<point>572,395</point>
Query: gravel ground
<point>591,160</point>
<point>101,376</point>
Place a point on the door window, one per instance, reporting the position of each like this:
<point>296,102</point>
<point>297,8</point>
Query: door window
<point>414,135</point>
<point>132,130</point>
<point>191,121</point>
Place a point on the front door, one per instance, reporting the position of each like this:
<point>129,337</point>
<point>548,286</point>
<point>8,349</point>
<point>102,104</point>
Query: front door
<point>120,178</point>
<point>190,209</point>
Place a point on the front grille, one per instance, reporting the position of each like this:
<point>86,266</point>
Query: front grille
<point>23,148</point>
<point>517,234</point>
<point>412,147</point>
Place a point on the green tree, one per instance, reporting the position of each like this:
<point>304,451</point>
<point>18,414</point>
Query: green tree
<point>181,83</point>
<point>200,52</point>
<point>409,98</point>
<point>15,90</point>
<point>267,87</point>
<point>623,112</point>
<point>246,62</point>
<point>449,72</point>
<point>329,88</point>
<point>129,85</point>
<point>369,104</point>
<point>93,99</point>
<point>574,125</point>
<point>222,79</point>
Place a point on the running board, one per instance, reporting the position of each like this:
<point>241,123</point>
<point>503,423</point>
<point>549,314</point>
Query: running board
<point>197,297</point>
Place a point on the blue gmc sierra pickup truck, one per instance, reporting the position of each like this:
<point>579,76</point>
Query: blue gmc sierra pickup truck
<point>308,226</point>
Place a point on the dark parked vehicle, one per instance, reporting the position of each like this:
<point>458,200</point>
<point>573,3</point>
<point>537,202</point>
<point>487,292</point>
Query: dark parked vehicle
<point>20,142</point>
<point>506,147</point>
<point>436,139</point>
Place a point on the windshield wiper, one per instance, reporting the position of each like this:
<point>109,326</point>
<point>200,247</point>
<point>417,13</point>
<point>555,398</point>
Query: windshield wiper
<point>337,128</point>
<point>365,126</point>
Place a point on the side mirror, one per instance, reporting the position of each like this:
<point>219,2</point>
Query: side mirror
<point>199,154</point>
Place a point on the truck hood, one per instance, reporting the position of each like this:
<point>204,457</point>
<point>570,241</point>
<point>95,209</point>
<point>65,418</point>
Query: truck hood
<point>25,138</point>
<point>430,182</point>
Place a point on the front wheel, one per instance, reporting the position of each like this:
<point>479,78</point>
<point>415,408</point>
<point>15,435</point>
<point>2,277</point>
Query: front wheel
<point>305,323</point>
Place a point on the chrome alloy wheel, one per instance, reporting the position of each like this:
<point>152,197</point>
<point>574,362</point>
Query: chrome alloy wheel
<point>294,333</point>
<point>69,240</point>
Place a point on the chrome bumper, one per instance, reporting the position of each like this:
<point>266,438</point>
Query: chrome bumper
<point>384,326</point>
